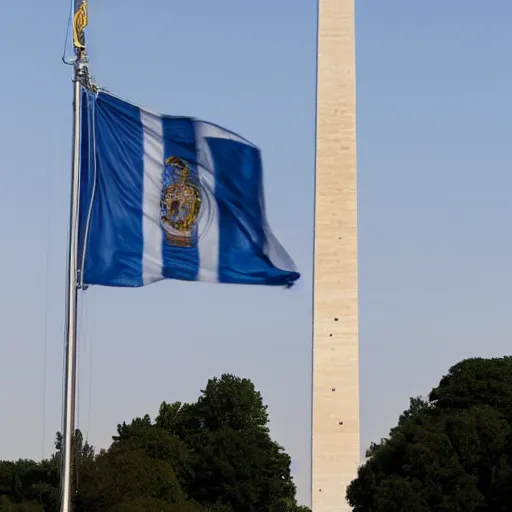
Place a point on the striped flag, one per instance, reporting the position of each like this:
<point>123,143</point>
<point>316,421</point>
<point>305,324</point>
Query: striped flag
<point>171,197</point>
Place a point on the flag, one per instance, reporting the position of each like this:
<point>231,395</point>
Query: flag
<point>79,23</point>
<point>171,197</point>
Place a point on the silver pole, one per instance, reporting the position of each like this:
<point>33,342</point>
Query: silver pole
<point>71,308</point>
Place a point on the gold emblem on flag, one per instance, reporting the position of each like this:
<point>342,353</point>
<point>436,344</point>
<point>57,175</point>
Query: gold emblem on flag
<point>79,23</point>
<point>180,203</point>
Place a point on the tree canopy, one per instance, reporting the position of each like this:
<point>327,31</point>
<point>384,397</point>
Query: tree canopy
<point>212,455</point>
<point>449,452</point>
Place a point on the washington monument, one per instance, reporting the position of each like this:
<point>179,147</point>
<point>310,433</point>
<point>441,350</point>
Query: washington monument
<point>336,446</point>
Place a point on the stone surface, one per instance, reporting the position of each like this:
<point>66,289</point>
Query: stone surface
<point>336,444</point>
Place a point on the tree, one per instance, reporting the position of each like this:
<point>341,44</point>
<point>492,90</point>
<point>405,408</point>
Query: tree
<point>233,458</point>
<point>231,403</point>
<point>6,505</point>
<point>214,455</point>
<point>452,452</point>
<point>28,485</point>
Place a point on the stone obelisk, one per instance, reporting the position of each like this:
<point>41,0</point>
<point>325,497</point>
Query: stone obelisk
<point>336,445</point>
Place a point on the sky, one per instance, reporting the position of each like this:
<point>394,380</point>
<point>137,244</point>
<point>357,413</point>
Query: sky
<point>434,108</point>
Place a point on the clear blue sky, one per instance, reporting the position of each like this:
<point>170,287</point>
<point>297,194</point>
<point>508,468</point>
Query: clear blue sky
<point>434,117</point>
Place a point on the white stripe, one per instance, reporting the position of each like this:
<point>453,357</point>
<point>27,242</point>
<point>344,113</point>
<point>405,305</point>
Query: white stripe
<point>204,129</point>
<point>153,165</point>
<point>208,244</point>
<point>273,249</point>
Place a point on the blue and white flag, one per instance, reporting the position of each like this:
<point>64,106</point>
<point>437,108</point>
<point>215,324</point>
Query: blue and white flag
<point>171,197</point>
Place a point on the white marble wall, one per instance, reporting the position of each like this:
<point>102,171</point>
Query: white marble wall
<point>336,445</point>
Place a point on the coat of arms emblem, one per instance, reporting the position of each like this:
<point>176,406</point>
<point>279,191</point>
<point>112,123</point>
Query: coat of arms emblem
<point>180,203</point>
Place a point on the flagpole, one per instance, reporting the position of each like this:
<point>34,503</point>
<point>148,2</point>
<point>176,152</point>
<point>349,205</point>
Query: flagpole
<point>81,76</point>
<point>71,305</point>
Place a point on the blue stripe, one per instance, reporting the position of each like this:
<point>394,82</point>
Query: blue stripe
<point>115,245</point>
<point>179,141</point>
<point>239,196</point>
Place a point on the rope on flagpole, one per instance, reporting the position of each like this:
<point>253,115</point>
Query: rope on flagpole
<point>66,41</point>
<point>81,79</point>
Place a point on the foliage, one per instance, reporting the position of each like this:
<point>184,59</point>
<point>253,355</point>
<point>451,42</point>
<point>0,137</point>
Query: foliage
<point>214,455</point>
<point>452,452</point>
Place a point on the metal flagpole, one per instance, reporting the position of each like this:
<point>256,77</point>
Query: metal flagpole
<point>80,76</point>
<point>71,308</point>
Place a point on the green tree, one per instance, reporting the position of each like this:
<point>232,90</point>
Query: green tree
<point>138,466</point>
<point>214,455</point>
<point>152,505</point>
<point>26,483</point>
<point>234,461</point>
<point>231,403</point>
<point>6,505</point>
<point>452,452</point>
